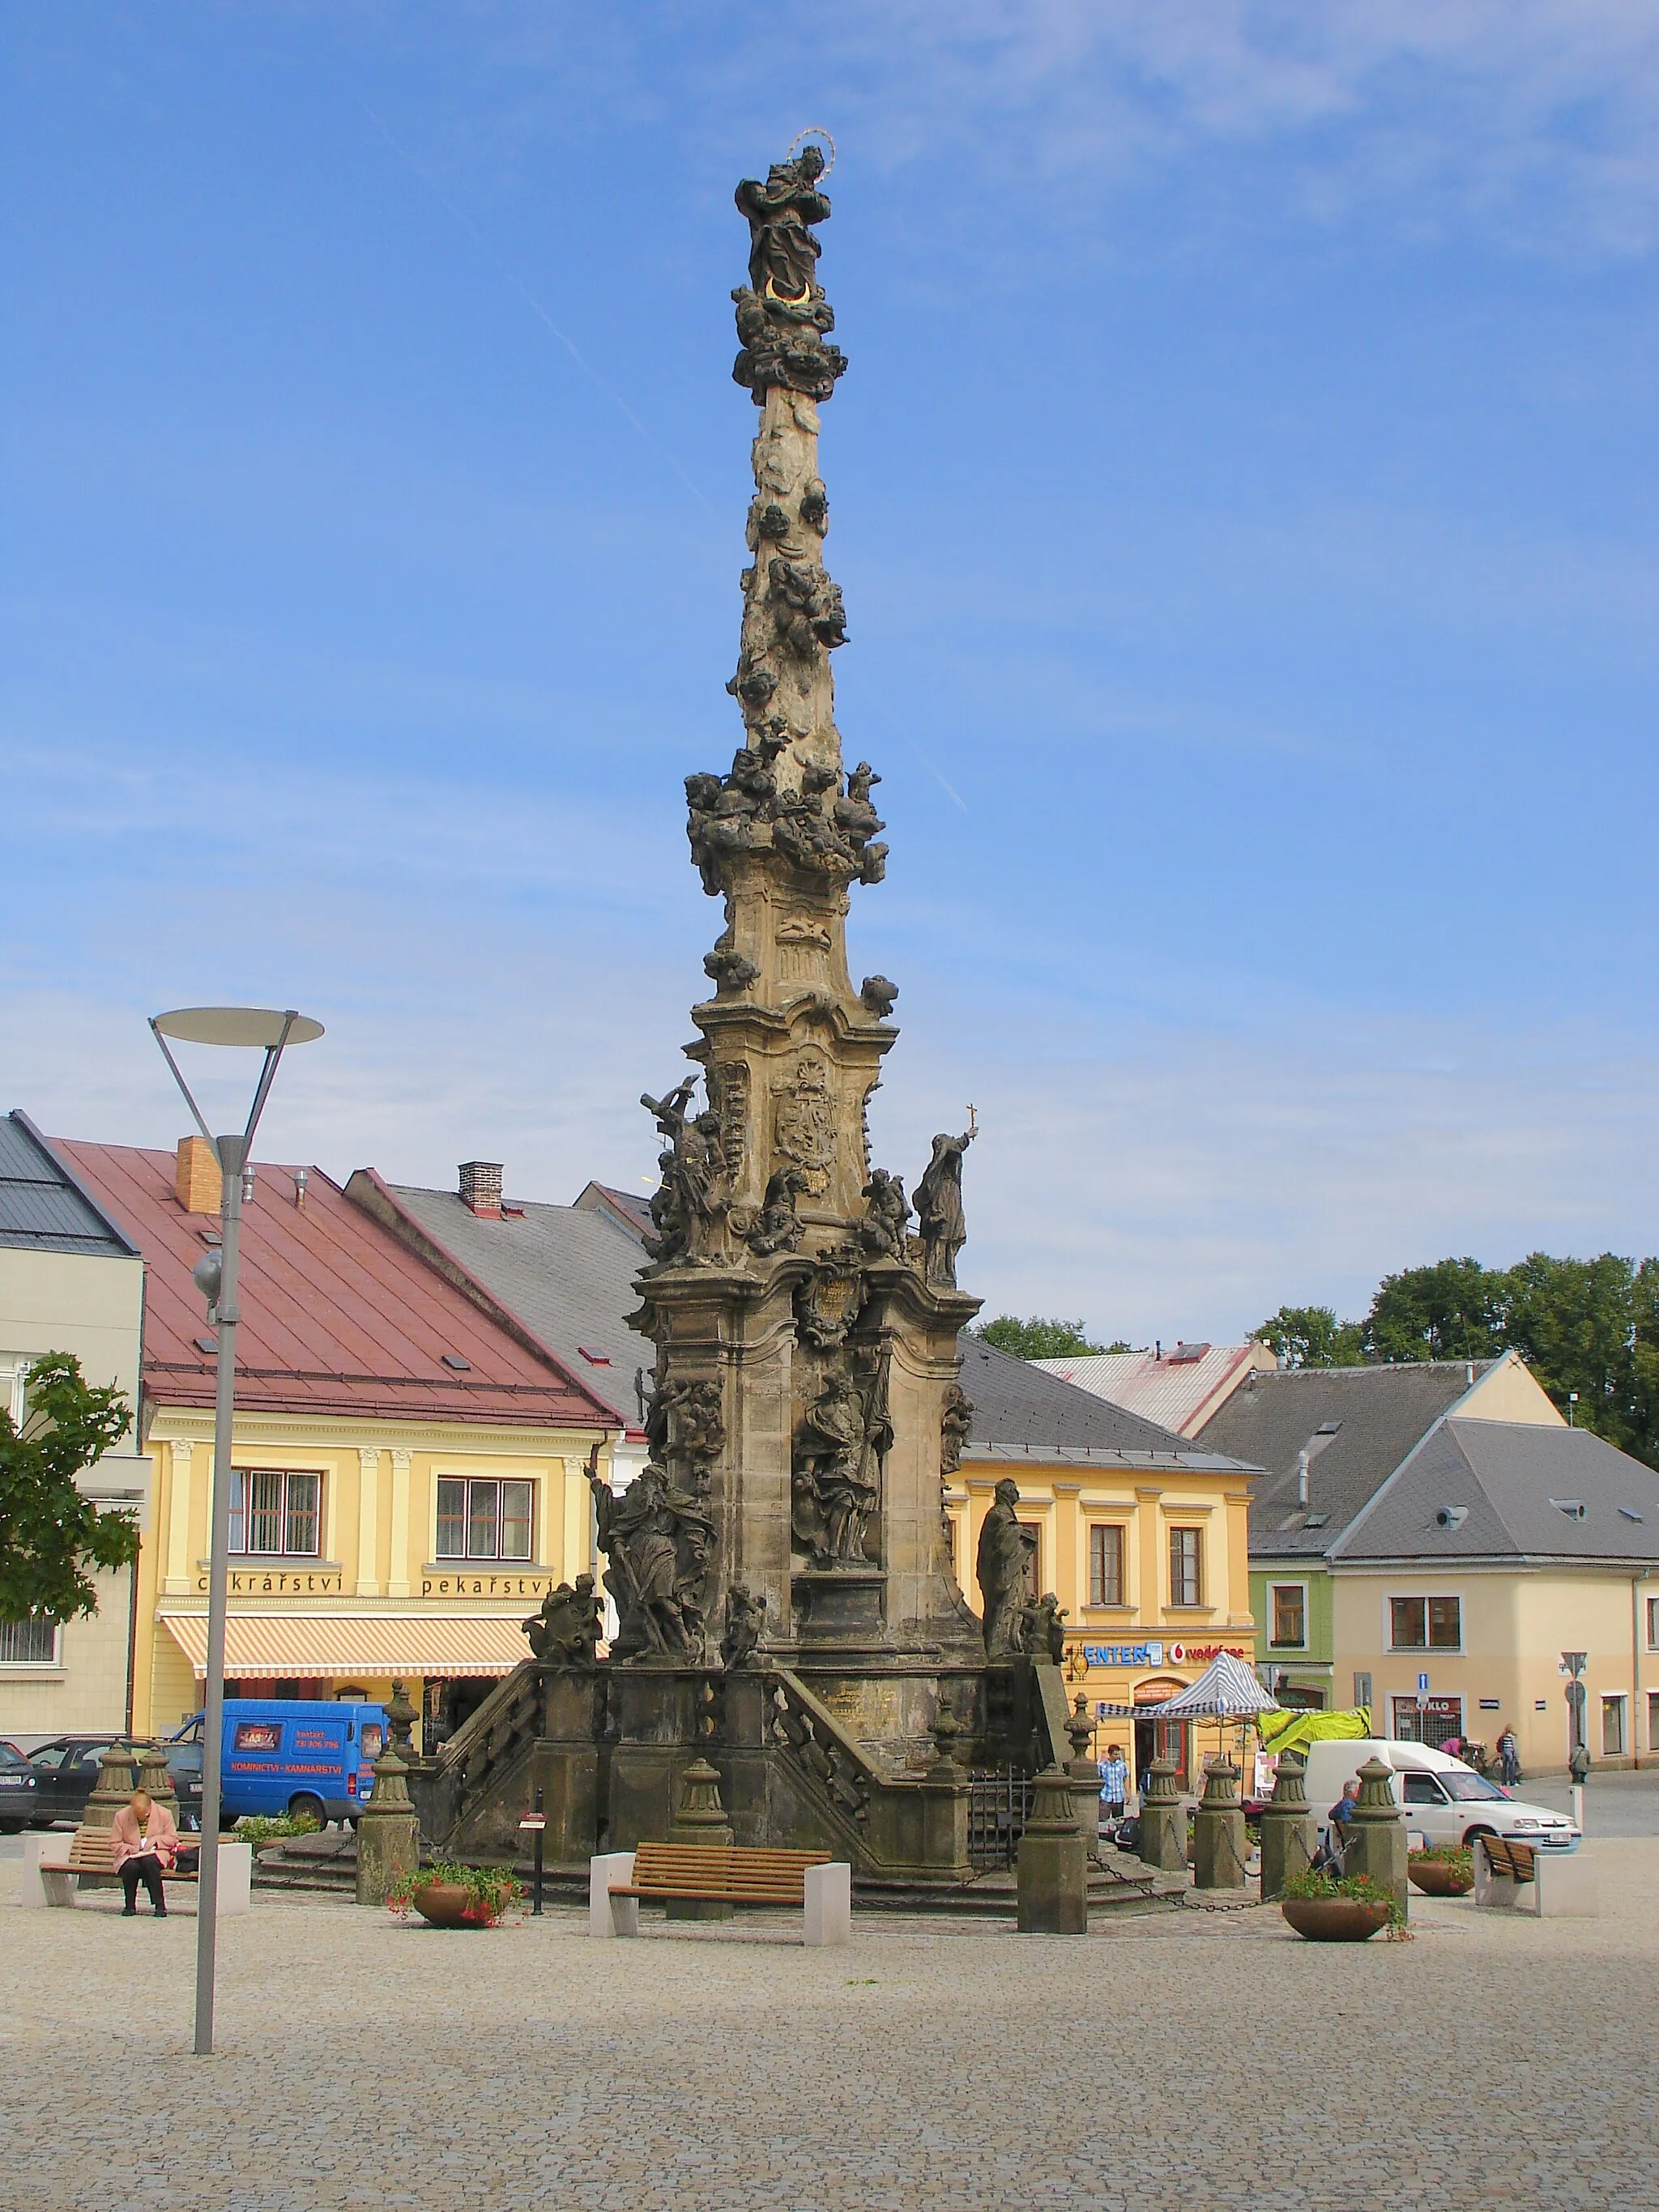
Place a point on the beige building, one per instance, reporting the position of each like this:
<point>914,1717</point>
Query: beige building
<point>1497,1546</point>
<point>70,1282</point>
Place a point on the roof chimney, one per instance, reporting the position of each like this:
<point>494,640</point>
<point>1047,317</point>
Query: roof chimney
<point>196,1177</point>
<point>1301,1478</point>
<point>481,1188</point>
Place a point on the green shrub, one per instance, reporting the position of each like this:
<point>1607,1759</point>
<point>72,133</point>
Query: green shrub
<point>1358,1887</point>
<point>1456,1856</point>
<point>256,1828</point>
<point>491,1890</point>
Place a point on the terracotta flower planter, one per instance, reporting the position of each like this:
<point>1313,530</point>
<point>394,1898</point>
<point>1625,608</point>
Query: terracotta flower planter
<point>1438,1878</point>
<point>444,1904</point>
<point>1333,1919</point>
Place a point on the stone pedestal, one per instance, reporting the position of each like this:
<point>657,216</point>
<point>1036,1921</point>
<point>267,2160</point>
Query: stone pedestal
<point>839,1606</point>
<point>701,1820</point>
<point>1162,1818</point>
<point>1289,1830</point>
<point>1086,1774</point>
<point>1054,1868</point>
<point>1219,1847</point>
<point>388,1831</point>
<point>1377,1843</point>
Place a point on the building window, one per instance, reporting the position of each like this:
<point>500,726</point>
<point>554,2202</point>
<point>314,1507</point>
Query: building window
<point>1425,1624</point>
<point>1186,1566</point>
<point>1613,1734</point>
<point>1433,1721</point>
<point>275,1512</point>
<point>1034,1529</point>
<point>1105,1565</point>
<point>483,1519</point>
<point>31,1643</point>
<point>1653,1720</point>
<point>1290,1616</point>
<point>1653,1624</point>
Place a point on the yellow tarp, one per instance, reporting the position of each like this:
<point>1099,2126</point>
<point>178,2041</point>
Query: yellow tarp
<point>1294,1730</point>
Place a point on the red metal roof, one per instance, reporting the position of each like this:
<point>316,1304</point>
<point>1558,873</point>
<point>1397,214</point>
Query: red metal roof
<point>337,1317</point>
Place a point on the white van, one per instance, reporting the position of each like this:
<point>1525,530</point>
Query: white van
<point>1442,1799</point>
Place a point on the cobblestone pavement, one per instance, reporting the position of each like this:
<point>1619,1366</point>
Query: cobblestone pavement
<point>1180,2058</point>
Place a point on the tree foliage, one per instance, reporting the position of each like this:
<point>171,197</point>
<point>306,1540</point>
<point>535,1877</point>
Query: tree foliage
<point>1040,1339</point>
<point>1589,1326</point>
<point>49,1536</point>
<point>1312,1336</point>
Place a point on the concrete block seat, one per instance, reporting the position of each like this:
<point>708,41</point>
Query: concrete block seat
<point>721,1874</point>
<point>1518,1877</point>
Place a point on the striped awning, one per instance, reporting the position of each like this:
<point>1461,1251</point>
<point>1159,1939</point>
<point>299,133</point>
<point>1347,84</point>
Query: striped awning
<point>277,1644</point>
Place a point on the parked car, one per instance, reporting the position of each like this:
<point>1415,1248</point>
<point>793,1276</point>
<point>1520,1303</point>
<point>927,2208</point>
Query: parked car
<point>17,1790</point>
<point>1442,1799</point>
<point>289,1755</point>
<point>16,1749</point>
<point>66,1774</point>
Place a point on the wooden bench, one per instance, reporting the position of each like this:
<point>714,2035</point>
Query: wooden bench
<point>93,1852</point>
<point>1562,1885</point>
<point>720,1874</point>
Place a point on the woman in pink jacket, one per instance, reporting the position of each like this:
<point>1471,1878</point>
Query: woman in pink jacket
<point>146,1842</point>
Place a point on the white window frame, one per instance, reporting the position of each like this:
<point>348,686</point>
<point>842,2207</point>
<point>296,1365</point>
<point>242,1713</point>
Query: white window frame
<point>1201,1565</point>
<point>245,1475</point>
<point>34,1666</point>
<point>1122,1535</point>
<point>1653,1624</point>
<point>468,1557</point>
<point>1273,1642</point>
<point>1620,1700</point>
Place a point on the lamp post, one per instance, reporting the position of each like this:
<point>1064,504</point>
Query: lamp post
<point>214,1276</point>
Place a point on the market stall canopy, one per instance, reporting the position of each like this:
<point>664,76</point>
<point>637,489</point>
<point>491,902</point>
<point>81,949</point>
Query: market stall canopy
<point>1226,1691</point>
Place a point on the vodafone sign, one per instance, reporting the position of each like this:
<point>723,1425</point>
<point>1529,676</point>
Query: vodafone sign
<point>1185,1654</point>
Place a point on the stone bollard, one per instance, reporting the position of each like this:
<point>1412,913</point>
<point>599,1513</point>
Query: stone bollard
<point>1218,1841</point>
<point>153,1776</point>
<point>1054,1866</point>
<point>401,1717</point>
<point>944,1791</point>
<point>1377,1835</point>
<point>700,1820</point>
<point>1289,1831</point>
<point>388,1831</point>
<point>1162,1818</point>
<point>1085,1774</point>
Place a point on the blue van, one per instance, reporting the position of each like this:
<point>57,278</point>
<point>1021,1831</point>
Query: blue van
<point>294,1755</point>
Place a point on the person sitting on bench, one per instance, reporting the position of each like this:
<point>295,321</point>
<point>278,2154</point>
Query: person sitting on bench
<point>146,1843</point>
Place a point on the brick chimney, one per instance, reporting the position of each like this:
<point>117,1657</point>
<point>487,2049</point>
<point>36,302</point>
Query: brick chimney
<point>481,1188</point>
<point>195,1175</point>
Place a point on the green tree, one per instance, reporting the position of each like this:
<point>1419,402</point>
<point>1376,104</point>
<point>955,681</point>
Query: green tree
<point>1455,1309</point>
<point>50,1535</point>
<point>1311,1336</point>
<point>1579,1325</point>
<point>1038,1339</point>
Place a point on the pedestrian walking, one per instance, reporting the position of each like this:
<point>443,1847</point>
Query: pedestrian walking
<point>1509,1759</point>
<point>146,1845</point>
<point>1114,1785</point>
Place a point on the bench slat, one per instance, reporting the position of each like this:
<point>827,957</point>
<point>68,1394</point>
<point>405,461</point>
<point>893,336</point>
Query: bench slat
<point>720,1874</point>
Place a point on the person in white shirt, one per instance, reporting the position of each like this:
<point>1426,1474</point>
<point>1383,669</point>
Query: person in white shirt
<point>1114,1784</point>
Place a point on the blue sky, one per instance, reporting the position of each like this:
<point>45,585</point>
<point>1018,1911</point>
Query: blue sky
<point>1242,497</point>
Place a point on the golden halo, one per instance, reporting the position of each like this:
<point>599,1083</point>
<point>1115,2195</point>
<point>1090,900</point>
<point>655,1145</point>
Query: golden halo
<point>813,130</point>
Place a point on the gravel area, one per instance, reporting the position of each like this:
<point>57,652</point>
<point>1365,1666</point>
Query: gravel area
<point>1178,2058</point>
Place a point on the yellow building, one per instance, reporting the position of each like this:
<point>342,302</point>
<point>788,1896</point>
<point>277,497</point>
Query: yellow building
<point>1497,1546</point>
<point>1142,1536</point>
<point>409,1470</point>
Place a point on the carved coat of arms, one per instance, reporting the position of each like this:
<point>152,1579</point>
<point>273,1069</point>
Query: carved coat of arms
<point>804,1122</point>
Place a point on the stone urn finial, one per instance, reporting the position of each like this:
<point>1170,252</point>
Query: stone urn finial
<point>1080,1728</point>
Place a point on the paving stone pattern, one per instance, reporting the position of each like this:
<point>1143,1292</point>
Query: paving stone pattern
<point>1175,2058</point>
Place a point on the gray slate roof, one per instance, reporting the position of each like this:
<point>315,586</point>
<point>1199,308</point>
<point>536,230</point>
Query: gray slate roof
<point>567,1275</point>
<point>1020,1408</point>
<point>1509,1481</point>
<point>43,1205</point>
<point>1380,1414</point>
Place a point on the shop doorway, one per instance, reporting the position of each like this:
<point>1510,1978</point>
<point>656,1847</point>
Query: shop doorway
<point>1156,1739</point>
<point>1434,1722</point>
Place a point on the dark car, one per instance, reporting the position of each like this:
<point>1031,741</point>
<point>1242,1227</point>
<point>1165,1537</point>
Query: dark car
<point>66,1773</point>
<point>17,1790</point>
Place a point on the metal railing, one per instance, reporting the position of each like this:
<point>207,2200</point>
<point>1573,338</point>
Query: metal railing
<point>999,1806</point>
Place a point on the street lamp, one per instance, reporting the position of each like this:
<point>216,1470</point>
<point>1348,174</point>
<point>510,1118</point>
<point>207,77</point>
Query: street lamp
<point>214,1276</point>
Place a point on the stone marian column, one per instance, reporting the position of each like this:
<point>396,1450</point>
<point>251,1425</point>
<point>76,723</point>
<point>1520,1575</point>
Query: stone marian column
<point>1054,1866</point>
<point>1162,1818</point>
<point>1376,1834</point>
<point>1288,1829</point>
<point>388,1831</point>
